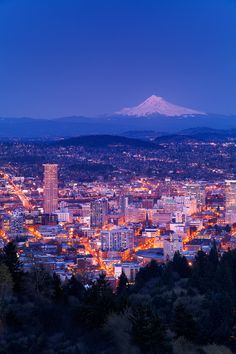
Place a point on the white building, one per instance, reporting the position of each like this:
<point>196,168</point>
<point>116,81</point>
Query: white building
<point>172,244</point>
<point>130,269</point>
<point>117,239</point>
<point>64,215</point>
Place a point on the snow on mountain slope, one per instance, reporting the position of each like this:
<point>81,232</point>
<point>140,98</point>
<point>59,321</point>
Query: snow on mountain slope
<point>158,105</point>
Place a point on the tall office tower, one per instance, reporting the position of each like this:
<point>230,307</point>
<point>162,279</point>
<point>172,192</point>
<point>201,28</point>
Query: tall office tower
<point>99,212</point>
<point>230,201</point>
<point>117,239</point>
<point>198,191</point>
<point>124,203</point>
<point>50,196</point>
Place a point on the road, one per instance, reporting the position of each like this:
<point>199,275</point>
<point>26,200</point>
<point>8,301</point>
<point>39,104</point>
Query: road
<point>17,190</point>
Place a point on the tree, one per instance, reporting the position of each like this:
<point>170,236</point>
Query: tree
<point>147,330</point>
<point>200,271</point>
<point>97,304</point>
<point>152,270</point>
<point>119,328</point>
<point>57,288</point>
<point>11,260</point>
<point>102,284</point>
<point>183,323</point>
<point>218,309</point>
<point>213,255</point>
<point>122,285</point>
<point>6,287</point>
<point>180,265</point>
<point>40,282</point>
<point>74,288</point>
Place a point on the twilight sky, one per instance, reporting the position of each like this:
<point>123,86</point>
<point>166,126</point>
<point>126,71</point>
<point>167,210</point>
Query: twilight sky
<point>86,57</point>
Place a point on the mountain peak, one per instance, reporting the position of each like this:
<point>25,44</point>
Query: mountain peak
<point>154,98</point>
<point>158,105</point>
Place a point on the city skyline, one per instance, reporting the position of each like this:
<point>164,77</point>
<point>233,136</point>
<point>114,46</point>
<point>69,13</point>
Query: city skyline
<point>127,224</point>
<point>117,176</point>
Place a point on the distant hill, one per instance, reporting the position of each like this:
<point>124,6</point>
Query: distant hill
<point>201,130</point>
<point>149,135</point>
<point>105,141</point>
<point>113,125</point>
<point>175,138</point>
<point>198,134</point>
<point>205,133</point>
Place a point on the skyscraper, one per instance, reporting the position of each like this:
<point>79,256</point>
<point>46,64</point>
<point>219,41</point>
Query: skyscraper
<point>198,191</point>
<point>50,196</point>
<point>230,201</point>
<point>99,212</point>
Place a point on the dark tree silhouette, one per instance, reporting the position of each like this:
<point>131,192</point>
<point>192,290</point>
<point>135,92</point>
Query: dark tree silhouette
<point>74,288</point>
<point>147,330</point>
<point>180,265</point>
<point>11,260</point>
<point>183,323</point>
<point>122,284</point>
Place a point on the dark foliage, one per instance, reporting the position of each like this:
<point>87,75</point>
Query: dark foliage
<point>10,258</point>
<point>122,285</point>
<point>40,314</point>
<point>147,330</point>
<point>183,323</point>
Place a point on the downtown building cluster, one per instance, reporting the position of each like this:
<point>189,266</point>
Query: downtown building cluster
<point>112,227</point>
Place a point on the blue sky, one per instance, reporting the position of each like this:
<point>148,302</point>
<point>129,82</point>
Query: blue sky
<point>87,57</point>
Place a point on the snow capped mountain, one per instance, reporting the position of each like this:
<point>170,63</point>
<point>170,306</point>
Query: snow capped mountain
<point>158,105</point>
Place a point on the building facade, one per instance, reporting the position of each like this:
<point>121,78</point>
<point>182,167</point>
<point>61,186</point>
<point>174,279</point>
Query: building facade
<point>50,188</point>
<point>117,239</point>
<point>230,201</point>
<point>99,212</point>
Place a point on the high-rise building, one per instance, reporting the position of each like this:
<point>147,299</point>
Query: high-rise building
<point>50,196</point>
<point>117,239</point>
<point>99,212</point>
<point>230,201</point>
<point>124,203</point>
<point>198,191</point>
